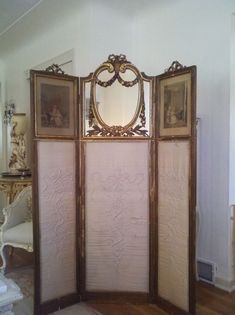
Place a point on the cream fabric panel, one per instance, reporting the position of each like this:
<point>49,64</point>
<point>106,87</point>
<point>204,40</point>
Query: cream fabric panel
<point>117,216</point>
<point>173,218</point>
<point>56,185</point>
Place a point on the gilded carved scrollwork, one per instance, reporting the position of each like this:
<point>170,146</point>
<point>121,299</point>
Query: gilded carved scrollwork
<point>12,187</point>
<point>17,187</point>
<point>118,65</point>
<point>5,188</point>
<point>55,69</point>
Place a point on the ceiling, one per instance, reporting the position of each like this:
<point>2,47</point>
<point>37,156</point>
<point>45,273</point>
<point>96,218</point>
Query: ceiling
<point>21,21</point>
<point>12,11</point>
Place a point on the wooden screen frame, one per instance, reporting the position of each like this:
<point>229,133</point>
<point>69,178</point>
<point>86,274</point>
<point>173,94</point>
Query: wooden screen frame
<point>64,301</point>
<point>154,138</point>
<point>117,296</point>
<point>176,69</point>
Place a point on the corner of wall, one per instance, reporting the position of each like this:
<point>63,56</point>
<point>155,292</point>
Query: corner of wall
<point>229,284</point>
<point>226,285</point>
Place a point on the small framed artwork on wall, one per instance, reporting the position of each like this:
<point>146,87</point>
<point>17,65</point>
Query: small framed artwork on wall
<point>176,101</point>
<point>54,98</point>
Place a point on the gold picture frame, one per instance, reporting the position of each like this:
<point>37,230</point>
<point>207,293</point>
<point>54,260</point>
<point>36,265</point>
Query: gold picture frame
<point>176,102</point>
<point>54,104</point>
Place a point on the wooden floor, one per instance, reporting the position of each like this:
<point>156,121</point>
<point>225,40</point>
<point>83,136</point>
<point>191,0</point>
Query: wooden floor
<point>127,309</point>
<point>16,258</point>
<point>213,301</point>
<point>210,300</point>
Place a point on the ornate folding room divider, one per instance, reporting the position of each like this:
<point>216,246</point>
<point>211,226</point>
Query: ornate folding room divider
<point>114,184</point>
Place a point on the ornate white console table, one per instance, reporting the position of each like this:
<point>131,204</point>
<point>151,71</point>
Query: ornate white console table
<point>11,186</point>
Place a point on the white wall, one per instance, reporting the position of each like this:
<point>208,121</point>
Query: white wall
<point>82,30</point>
<point>152,34</point>
<point>232,143</point>
<point>198,32</point>
<point>36,39</point>
<point>2,101</point>
<point>232,114</point>
<point>2,128</point>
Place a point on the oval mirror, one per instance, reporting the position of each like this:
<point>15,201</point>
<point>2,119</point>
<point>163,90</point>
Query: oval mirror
<point>116,104</point>
<point>117,101</point>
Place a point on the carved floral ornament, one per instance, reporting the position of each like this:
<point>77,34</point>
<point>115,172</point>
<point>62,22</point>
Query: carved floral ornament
<point>54,68</point>
<point>175,66</point>
<point>117,64</point>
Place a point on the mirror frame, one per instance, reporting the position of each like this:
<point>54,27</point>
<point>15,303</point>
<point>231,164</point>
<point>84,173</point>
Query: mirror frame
<point>117,64</point>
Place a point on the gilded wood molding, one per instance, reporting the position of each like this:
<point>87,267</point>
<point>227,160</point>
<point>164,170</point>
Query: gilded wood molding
<point>12,186</point>
<point>117,64</point>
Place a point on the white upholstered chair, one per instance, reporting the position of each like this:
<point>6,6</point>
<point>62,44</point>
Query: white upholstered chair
<point>17,229</point>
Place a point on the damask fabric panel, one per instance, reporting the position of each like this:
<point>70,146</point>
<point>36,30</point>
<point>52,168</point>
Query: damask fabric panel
<point>117,216</point>
<point>56,193</point>
<point>173,222</point>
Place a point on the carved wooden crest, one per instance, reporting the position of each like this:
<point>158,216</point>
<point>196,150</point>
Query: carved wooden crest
<point>54,68</point>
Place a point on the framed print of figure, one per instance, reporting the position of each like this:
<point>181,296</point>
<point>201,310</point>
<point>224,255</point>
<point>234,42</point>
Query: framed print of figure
<point>55,104</point>
<point>175,101</point>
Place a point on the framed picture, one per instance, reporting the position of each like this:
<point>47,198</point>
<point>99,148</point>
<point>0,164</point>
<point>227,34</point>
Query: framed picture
<point>55,104</point>
<point>176,103</point>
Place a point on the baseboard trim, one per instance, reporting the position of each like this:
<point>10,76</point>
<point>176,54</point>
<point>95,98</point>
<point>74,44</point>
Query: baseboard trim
<point>225,285</point>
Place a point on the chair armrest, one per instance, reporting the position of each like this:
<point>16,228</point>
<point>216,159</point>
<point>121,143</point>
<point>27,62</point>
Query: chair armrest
<point>16,212</point>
